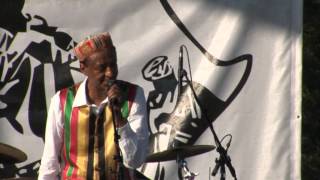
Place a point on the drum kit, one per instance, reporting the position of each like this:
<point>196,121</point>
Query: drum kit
<point>8,157</point>
<point>11,155</point>
<point>179,154</point>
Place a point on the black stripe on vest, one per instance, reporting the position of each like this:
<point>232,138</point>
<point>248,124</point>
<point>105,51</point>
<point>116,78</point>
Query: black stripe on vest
<point>92,118</point>
<point>101,158</point>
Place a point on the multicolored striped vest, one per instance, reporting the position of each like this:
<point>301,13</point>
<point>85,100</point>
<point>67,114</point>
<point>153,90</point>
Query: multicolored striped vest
<point>88,147</point>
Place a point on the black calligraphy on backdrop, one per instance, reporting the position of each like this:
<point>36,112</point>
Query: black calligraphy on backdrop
<point>22,70</point>
<point>184,129</point>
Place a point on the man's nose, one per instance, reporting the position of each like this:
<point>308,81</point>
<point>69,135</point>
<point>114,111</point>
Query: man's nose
<point>110,72</point>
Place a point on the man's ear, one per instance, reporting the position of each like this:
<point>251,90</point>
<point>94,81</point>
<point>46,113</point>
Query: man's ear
<point>83,67</point>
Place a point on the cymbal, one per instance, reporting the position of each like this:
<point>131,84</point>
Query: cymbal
<point>9,154</point>
<point>181,151</point>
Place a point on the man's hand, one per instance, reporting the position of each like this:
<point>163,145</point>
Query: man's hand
<point>115,95</point>
<point>116,100</point>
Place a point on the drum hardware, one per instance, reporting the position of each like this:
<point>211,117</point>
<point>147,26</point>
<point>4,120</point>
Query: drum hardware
<point>8,157</point>
<point>183,166</point>
<point>11,155</point>
<point>182,151</point>
<point>179,154</point>
<point>224,157</point>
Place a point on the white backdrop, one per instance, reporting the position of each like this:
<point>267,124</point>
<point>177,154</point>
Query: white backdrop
<point>245,58</point>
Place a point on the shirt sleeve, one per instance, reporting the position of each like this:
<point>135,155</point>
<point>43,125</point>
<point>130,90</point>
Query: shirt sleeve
<point>135,135</point>
<point>50,165</point>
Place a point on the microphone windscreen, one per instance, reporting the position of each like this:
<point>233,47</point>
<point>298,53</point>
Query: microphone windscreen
<point>111,82</point>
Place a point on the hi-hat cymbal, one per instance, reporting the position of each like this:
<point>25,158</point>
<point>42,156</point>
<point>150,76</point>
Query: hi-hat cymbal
<point>181,151</point>
<point>9,154</point>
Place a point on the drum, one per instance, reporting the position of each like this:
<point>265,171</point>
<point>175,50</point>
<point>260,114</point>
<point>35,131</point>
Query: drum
<point>11,155</point>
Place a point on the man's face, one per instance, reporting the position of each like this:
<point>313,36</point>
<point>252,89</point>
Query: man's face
<point>101,67</point>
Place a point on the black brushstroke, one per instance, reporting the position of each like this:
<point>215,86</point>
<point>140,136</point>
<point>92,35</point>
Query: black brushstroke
<point>11,17</point>
<point>17,69</point>
<point>29,170</point>
<point>213,106</point>
<point>13,98</point>
<point>163,85</point>
<point>205,96</point>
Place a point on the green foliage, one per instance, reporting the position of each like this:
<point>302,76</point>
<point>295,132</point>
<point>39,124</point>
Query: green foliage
<point>311,92</point>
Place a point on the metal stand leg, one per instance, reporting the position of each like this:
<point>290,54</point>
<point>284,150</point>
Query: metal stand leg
<point>187,174</point>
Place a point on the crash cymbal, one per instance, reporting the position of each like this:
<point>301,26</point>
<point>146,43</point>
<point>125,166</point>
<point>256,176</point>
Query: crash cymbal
<point>181,151</point>
<point>9,154</point>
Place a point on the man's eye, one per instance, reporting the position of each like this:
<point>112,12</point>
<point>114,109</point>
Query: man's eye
<point>113,64</point>
<point>101,68</point>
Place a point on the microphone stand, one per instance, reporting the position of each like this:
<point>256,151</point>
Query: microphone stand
<point>118,157</point>
<point>224,159</point>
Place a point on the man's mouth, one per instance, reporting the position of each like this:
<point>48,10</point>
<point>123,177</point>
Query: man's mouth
<point>110,82</point>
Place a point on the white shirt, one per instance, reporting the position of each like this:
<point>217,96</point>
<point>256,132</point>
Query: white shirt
<point>133,142</point>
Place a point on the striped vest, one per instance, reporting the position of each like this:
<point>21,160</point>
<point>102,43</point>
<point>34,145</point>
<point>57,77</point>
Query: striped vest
<point>88,147</point>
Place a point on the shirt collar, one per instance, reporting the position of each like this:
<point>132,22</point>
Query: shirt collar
<point>81,98</point>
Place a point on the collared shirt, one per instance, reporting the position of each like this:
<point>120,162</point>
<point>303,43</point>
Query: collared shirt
<point>133,142</point>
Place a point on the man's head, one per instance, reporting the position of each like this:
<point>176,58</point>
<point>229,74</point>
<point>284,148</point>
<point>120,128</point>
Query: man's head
<point>98,59</point>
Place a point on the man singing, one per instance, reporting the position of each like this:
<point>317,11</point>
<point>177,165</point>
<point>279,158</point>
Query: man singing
<point>80,135</point>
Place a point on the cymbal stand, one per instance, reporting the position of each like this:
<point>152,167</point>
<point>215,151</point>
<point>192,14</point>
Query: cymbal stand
<point>183,166</point>
<point>224,158</point>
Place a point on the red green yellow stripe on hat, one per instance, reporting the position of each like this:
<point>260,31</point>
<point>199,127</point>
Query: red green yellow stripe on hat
<point>93,44</point>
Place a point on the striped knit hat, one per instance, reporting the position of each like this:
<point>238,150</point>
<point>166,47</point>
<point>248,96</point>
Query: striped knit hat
<point>93,44</point>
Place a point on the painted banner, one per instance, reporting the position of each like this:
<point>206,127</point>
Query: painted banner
<point>222,79</point>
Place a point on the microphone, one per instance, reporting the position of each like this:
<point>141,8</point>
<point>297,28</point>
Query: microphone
<point>180,70</point>
<point>114,101</point>
<point>111,82</point>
